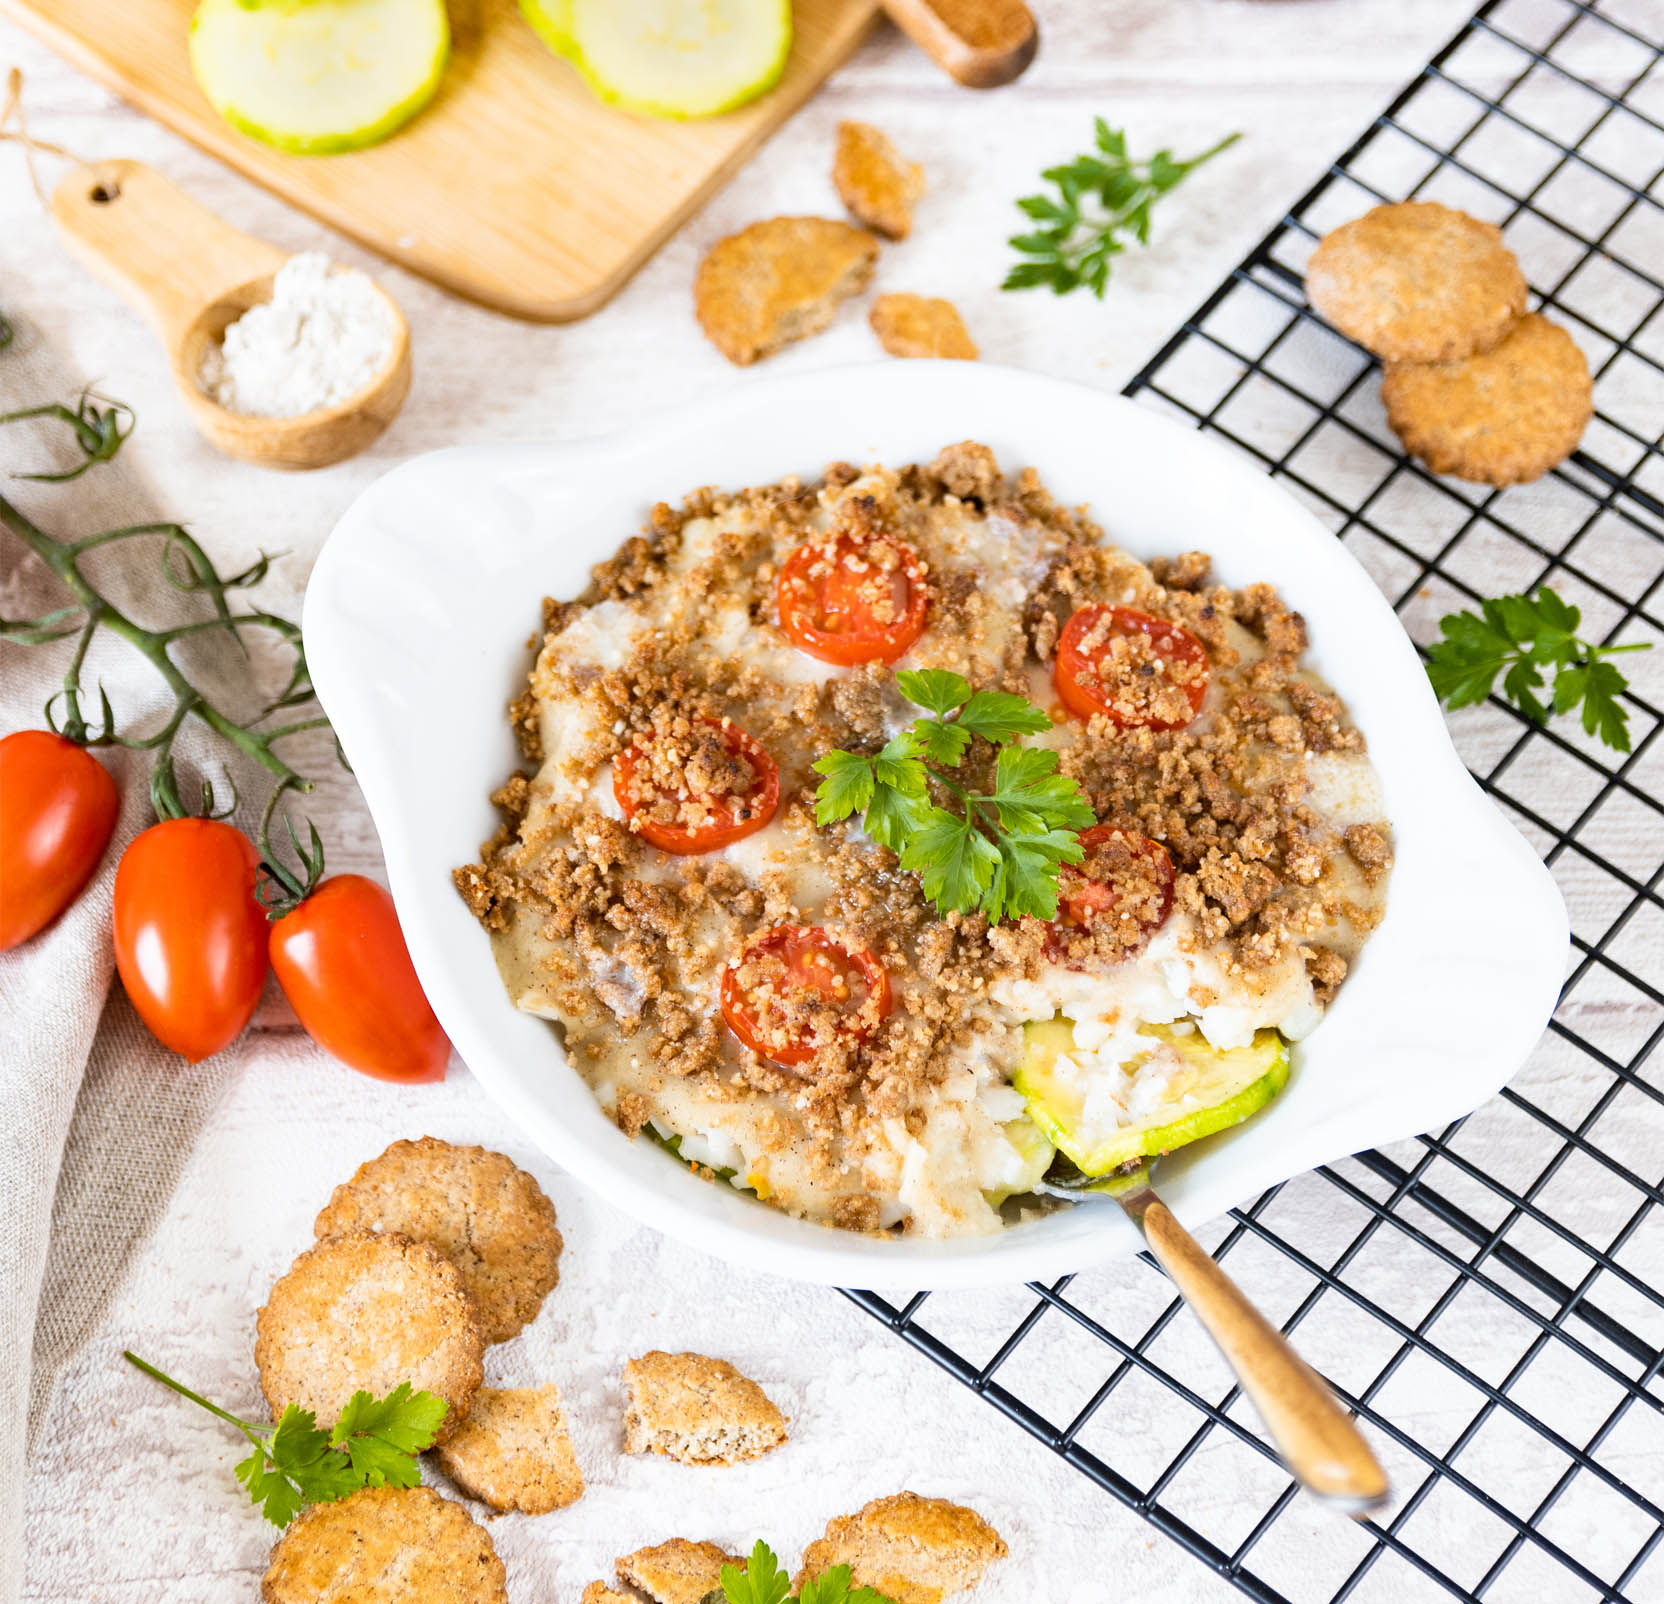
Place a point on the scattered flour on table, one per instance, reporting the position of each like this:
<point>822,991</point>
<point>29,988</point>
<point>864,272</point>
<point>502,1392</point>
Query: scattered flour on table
<point>320,340</point>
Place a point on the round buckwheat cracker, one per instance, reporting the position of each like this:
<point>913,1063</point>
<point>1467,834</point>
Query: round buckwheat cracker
<point>385,1545</point>
<point>1418,282</point>
<point>369,1310</point>
<point>491,1219</point>
<point>1501,418</point>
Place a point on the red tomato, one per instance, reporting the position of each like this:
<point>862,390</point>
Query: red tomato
<point>846,600</point>
<point>342,962</point>
<point>1161,658</point>
<point>728,818</point>
<point>1124,879</point>
<point>58,806</point>
<point>190,936</point>
<point>810,961</point>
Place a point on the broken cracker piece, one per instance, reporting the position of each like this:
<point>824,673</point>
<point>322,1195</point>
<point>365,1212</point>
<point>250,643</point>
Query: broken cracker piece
<point>677,1571</point>
<point>920,325</point>
<point>878,187</point>
<point>778,281</point>
<point>914,1550</point>
<point>514,1453</point>
<point>601,1593</point>
<point>697,1410</point>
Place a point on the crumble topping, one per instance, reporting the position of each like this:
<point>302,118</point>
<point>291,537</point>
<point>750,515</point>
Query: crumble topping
<point>1264,803</point>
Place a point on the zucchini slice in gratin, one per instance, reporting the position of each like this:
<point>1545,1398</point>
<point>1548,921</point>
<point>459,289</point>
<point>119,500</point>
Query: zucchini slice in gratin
<point>1179,1090</point>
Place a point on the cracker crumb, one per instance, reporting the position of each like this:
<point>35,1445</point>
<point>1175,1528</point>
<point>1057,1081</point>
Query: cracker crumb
<point>514,1451</point>
<point>677,1571</point>
<point>921,326</point>
<point>878,187</point>
<point>697,1410</point>
<point>779,281</point>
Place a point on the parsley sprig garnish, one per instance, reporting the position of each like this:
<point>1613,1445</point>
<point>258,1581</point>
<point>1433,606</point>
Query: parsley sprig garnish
<point>375,1443</point>
<point>1104,197</point>
<point>1523,637</point>
<point>765,1582</point>
<point>997,851</point>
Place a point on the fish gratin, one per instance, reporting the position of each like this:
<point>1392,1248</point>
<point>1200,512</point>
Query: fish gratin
<point>1138,843</point>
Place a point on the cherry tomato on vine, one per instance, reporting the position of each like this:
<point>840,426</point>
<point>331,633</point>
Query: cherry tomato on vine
<point>1139,670</point>
<point>58,806</point>
<point>190,936</point>
<point>847,600</point>
<point>342,961</point>
<point>719,819</point>
<point>763,991</point>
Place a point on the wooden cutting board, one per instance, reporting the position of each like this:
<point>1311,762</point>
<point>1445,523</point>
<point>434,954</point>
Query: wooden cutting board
<point>516,187</point>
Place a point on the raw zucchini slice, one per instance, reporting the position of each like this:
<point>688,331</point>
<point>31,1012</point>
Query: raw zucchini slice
<point>1210,1091</point>
<point>671,58</point>
<point>549,22</point>
<point>319,76</point>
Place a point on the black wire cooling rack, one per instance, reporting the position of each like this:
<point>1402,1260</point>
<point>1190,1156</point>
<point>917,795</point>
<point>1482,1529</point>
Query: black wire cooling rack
<point>1487,1298</point>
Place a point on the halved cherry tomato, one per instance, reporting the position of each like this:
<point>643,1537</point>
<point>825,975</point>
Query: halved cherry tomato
<point>1159,677</point>
<point>795,964</point>
<point>717,818</point>
<point>342,961</point>
<point>846,599</point>
<point>190,936</point>
<point>58,806</point>
<point>1125,882</point>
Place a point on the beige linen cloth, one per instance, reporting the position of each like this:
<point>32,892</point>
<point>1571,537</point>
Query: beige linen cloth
<point>96,1118</point>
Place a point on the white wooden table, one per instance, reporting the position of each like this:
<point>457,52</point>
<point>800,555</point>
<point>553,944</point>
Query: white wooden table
<point>131,1497</point>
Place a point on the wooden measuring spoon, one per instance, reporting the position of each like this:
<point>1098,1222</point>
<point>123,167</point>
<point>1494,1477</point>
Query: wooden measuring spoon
<point>192,275</point>
<point>980,43</point>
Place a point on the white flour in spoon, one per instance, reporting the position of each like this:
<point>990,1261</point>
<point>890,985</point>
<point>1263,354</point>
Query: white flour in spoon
<point>320,340</point>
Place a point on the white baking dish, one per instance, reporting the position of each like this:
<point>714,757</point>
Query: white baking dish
<point>417,621</point>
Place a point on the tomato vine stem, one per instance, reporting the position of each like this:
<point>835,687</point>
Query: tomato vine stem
<point>99,433</point>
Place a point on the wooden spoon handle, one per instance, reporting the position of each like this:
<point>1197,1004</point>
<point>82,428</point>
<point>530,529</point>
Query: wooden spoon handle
<point>979,43</point>
<point>1320,1444</point>
<point>155,245</point>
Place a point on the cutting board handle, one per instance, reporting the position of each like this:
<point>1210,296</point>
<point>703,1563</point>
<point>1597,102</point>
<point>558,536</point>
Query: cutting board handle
<point>153,244</point>
<point>979,43</point>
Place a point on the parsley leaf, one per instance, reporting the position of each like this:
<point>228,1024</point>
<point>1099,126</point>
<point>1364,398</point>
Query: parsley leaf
<point>1000,716</point>
<point>955,861</point>
<point>382,1437</point>
<point>999,853</point>
<point>296,1462</point>
<point>763,1581</point>
<point>847,787</point>
<point>1102,197</point>
<point>938,690</point>
<point>1032,795</point>
<point>1523,637</point>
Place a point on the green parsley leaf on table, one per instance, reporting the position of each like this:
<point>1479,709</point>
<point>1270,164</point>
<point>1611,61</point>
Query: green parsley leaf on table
<point>999,852</point>
<point>763,1581</point>
<point>1104,199</point>
<point>1522,637</point>
<point>375,1443</point>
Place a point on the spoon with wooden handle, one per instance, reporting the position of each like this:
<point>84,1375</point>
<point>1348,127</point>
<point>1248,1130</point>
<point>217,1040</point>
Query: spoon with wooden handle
<point>193,275</point>
<point>1321,1446</point>
<point>979,43</point>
